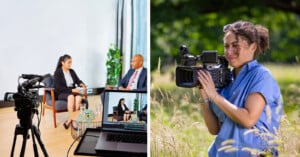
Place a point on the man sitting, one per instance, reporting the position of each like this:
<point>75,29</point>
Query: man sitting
<point>143,114</point>
<point>136,77</point>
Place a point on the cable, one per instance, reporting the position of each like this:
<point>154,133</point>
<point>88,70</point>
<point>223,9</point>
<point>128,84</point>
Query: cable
<point>39,117</point>
<point>73,144</point>
<point>41,104</point>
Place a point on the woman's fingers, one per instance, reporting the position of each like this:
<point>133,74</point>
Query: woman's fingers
<point>203,76</point>
<point>209,76</point>
<point>205,79</point>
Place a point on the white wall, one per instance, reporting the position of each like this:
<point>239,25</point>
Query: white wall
<point>34,33</point>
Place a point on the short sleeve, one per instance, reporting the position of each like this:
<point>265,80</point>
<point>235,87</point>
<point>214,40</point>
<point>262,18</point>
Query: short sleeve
<point>264,83</point>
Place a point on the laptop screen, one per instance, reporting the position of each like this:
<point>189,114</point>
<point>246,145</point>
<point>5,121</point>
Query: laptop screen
<point>117,104</point>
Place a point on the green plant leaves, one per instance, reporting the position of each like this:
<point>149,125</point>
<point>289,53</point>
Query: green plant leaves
<point>113,65</point>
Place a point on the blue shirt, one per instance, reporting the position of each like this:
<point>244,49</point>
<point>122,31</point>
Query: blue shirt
<point>253,78</point>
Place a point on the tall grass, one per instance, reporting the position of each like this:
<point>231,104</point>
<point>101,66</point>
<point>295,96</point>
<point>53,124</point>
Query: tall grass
<point>177,126</point>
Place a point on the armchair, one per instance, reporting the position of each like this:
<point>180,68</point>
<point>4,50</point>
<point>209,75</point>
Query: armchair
<point>115,114</point>
<point>49,101</point>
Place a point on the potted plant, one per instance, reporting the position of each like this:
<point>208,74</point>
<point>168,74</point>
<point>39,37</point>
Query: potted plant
<point>135,109</point>
<point>113,66</point>
<point>136,105</point>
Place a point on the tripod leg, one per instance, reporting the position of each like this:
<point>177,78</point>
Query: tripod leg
<point>36,133</point>
<point>25,136</point>
<point>14,143</point>
<point>20,131</point>
<point>36,153</point>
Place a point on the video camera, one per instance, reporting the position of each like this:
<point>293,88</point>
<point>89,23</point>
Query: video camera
<point>217,66</point>
<point>27,98</point>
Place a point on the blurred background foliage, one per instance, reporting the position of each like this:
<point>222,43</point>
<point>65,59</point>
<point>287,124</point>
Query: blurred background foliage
<point>199,25</point>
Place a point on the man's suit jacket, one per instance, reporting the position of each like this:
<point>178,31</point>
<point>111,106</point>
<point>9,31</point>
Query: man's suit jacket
<point>142,82</point>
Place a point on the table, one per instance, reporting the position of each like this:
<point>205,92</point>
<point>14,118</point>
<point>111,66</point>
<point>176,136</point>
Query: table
<point>95,123</point>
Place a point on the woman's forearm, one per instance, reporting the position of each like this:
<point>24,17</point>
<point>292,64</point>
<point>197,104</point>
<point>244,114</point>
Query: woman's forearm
<point>210,119</point>
<point>247,116</point>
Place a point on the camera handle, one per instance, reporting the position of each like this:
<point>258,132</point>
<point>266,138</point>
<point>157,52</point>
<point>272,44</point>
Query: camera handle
<point>34,133</point>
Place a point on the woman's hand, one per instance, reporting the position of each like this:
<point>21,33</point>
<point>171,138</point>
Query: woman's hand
<point>208,86</point>
<point>76,90</point>
<point>83,85</point>
<point>208,91</point>
<point>125,89</point>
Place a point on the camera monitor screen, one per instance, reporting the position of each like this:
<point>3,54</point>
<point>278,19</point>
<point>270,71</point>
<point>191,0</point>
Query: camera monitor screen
<point>134,102</point>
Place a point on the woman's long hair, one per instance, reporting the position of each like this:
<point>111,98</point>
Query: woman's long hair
<point>62,59</point>
<point>119,104</point>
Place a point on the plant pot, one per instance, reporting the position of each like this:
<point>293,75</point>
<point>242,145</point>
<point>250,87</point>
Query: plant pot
<point>111,87</point>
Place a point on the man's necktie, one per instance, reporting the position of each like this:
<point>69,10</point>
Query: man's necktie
<point>132,79</point>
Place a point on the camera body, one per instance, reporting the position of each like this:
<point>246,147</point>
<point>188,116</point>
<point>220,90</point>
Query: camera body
<point>26,99</point>
<point>26,104</point>
<point>187,72</point>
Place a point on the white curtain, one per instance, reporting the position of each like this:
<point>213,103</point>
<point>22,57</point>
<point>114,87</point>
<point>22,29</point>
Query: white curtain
<point>132,28</point>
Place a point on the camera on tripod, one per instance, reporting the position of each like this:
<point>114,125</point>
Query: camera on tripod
<point>27,98</point>
<point>217,66</point>
<point>26,103</point>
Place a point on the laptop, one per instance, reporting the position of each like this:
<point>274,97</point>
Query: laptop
<point>120,137</point>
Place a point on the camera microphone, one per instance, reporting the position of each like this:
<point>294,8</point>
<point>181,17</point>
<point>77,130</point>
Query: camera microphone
<point>183,50</point>
<point>187,59</point>
<point>34,76</point>
<point>32,80</point>
<point>29,76</point>
<point>30,83</point>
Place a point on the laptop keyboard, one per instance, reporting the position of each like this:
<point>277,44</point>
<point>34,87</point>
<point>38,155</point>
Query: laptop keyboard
<point>128,138</point>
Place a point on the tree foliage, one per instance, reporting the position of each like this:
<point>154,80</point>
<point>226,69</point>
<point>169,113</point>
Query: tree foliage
<point>199,24</point>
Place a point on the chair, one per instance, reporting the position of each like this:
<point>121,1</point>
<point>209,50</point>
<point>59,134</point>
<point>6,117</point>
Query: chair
<point>142,116</point>
<point>115,114</point>
<point>49,101</point>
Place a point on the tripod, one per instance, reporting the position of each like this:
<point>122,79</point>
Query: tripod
<point>19,130</point>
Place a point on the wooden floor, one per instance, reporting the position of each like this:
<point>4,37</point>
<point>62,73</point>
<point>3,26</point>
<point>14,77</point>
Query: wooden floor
<point>56,140</point>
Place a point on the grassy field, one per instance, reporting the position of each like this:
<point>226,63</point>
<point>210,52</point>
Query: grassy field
<point>177,126</point>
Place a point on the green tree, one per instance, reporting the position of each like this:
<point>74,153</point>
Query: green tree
<point>198,24</point>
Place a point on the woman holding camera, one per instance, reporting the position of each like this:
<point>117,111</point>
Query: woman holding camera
<point>65,81</point>
<point>248,108</point>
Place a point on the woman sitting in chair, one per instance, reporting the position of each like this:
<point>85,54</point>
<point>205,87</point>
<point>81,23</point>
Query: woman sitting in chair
<point>65,82</point>
<point>123,110</point>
